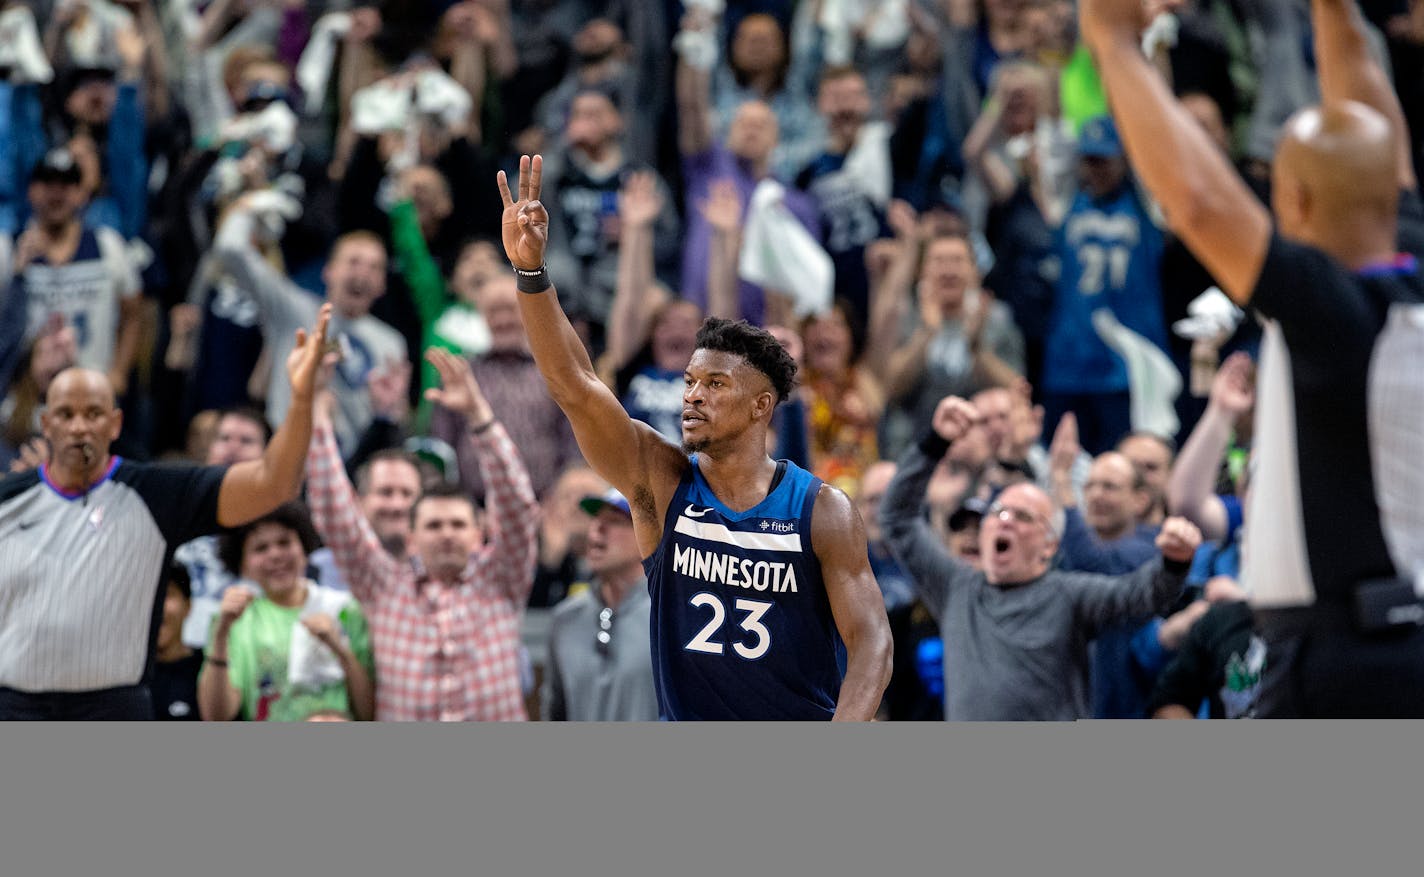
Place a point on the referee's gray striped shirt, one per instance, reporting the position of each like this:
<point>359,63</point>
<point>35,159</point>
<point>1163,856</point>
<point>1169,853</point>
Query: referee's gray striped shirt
<point>79,573</point>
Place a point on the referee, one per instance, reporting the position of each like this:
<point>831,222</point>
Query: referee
<point>1334,550</point>
<point>85,538</point>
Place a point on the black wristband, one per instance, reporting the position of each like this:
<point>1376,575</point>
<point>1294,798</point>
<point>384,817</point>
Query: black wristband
<point>532,282</point>
<point>482,428</point>
<point>216,662</point>
<point>934,446</point>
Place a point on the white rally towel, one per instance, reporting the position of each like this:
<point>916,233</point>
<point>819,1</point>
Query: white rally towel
<point>310,664</point>
<point>389,105</point>
<point>273,209</point>
<point>1210,315</point>
<point>274,127</point>
<point>380,107</point>
<point>1153,381</point>
<point>778,252</point>
<point>314,67</point>
<point>697,48</point>
<point>882,24</point>
<point>437,94</point>
<point>868,163</point>
<point>90,39</point>
<point>20,47</point>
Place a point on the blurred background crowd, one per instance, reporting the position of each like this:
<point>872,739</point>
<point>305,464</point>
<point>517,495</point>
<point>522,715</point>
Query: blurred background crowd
<point>921,198</point>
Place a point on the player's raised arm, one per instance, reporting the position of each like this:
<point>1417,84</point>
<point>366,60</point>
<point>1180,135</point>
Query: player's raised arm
<point>630,455</point>
<point>1205,202</point>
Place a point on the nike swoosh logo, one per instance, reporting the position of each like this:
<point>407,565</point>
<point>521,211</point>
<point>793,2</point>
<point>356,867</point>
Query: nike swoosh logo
<point>25,525</point>
<point>692,514</point>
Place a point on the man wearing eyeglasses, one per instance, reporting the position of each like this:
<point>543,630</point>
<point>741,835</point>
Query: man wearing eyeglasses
<point>600,666</point>
<point>1016,633</point>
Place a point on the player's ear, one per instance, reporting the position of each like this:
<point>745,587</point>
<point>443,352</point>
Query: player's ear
<point>763,404</point>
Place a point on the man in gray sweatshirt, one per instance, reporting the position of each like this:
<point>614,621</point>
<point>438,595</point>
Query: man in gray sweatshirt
<point>355,276</point>
<point>1016,634</point>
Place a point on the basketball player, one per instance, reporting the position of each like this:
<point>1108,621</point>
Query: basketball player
<point>1333,552</point>
<point>763,602</point>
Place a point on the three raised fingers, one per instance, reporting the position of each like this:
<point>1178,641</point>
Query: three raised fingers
<point>531,175</point>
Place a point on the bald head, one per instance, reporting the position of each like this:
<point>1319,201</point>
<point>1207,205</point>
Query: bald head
<point>1334,184</point>
<point>1115,496</point>
<point>93,384</point>
<point>80,422</point>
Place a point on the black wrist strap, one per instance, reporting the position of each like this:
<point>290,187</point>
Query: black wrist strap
<point>532,282</point>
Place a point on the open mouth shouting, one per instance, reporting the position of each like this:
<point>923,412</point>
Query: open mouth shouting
<point>1003,547</point>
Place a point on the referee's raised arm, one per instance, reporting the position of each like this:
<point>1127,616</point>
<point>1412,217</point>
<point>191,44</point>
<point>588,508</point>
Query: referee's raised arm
<point>1205,202</point>
<point>630,455</point>
<point>252,489</point>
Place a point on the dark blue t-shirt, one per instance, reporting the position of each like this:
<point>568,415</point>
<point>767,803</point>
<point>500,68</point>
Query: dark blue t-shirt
<point>849,222</point>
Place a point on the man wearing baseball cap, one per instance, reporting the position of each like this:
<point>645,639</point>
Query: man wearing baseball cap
<point>78,271</point>
<point>1110,252</point>
<point>600,666</point>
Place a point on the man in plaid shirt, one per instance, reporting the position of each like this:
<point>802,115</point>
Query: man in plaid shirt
<point>445,624</point>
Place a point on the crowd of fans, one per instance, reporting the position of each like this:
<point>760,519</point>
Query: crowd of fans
<point>922,199</point>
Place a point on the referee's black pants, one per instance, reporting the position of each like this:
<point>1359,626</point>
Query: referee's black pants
<point>1318,666</point>
<point>131,703</point>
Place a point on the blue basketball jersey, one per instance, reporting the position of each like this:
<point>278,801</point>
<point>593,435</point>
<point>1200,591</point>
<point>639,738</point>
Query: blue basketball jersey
<point>1110,256</point>
<point>741,625</point>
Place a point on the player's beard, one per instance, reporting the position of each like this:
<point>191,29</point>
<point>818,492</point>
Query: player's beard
<point>695,446</point>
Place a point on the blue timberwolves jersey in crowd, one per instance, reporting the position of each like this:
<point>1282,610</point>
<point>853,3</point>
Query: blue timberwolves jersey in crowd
<point>1110,255</point>
<point>741,625</point>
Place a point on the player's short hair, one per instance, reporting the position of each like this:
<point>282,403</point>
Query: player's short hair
<point>293,515</point>
<point>754,344</point>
